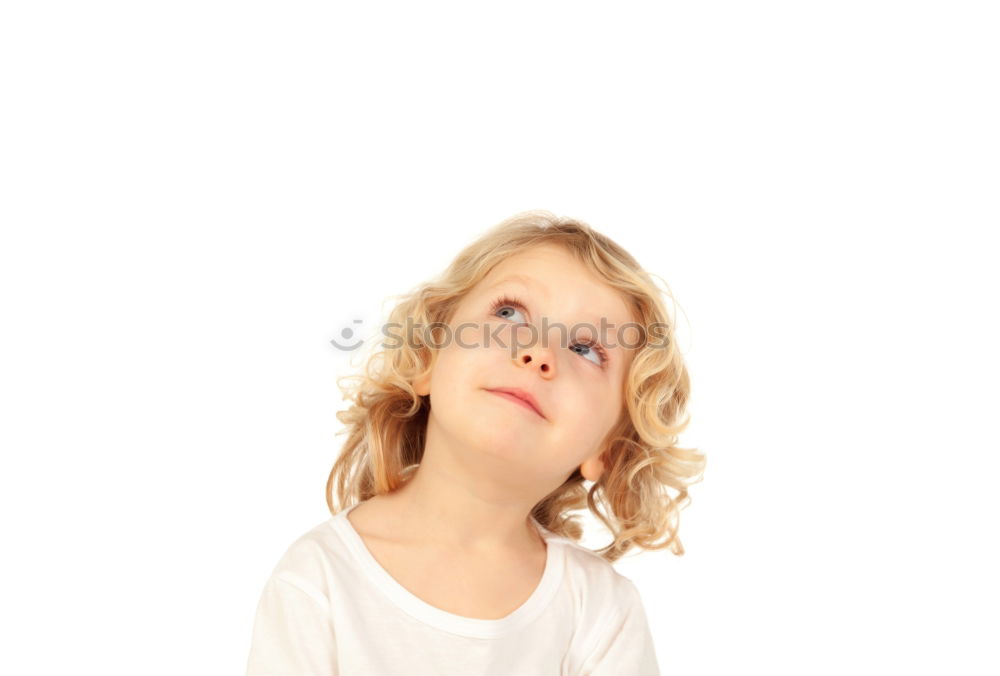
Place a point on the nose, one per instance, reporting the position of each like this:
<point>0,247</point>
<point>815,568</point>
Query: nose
<point>536,356</point>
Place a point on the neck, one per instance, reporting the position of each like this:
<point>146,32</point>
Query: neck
<point>462,499</point>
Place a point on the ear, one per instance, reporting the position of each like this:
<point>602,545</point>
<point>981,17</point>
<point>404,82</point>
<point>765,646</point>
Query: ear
<point>592,468</point>
<point>422,386</point>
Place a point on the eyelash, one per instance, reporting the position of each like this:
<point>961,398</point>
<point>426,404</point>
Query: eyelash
<point>514,302</point>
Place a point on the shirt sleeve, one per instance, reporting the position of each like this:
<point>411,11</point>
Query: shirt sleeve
<point>625,646</point>
<point>293,630</point>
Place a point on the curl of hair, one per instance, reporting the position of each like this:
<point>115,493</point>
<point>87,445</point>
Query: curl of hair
<point>386,421</point>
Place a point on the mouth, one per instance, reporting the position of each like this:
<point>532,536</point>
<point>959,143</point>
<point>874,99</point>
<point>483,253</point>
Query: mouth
<point>519,397</point>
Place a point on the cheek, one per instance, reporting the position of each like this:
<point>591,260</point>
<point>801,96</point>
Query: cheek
<point>455,377</point>
<point>586,417</point>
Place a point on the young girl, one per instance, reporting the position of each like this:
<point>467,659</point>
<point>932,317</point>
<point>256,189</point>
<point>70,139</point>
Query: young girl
<point>536,376</point>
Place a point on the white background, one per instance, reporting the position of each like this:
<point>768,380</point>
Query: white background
<point>197,196</point>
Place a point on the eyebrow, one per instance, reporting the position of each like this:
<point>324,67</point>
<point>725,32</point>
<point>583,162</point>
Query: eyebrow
<point>525,280</point>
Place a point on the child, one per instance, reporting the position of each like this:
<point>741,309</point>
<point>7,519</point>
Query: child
<point>536,376</point>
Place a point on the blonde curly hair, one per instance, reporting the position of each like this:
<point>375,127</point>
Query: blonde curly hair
<point>386,421</point>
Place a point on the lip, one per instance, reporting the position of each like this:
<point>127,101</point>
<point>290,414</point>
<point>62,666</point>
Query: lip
<point>519,397</point>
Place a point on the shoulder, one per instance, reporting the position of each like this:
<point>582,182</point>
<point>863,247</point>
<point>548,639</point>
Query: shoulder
<point>311,561</point>
<point>600,585</point>
<point>608,612</point>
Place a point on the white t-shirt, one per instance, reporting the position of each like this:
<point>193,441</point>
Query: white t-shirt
<point>329,608</point>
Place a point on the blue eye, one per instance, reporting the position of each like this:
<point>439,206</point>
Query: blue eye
<point>507,304</point>
<point>590,348</point>
<point>586,348</point>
